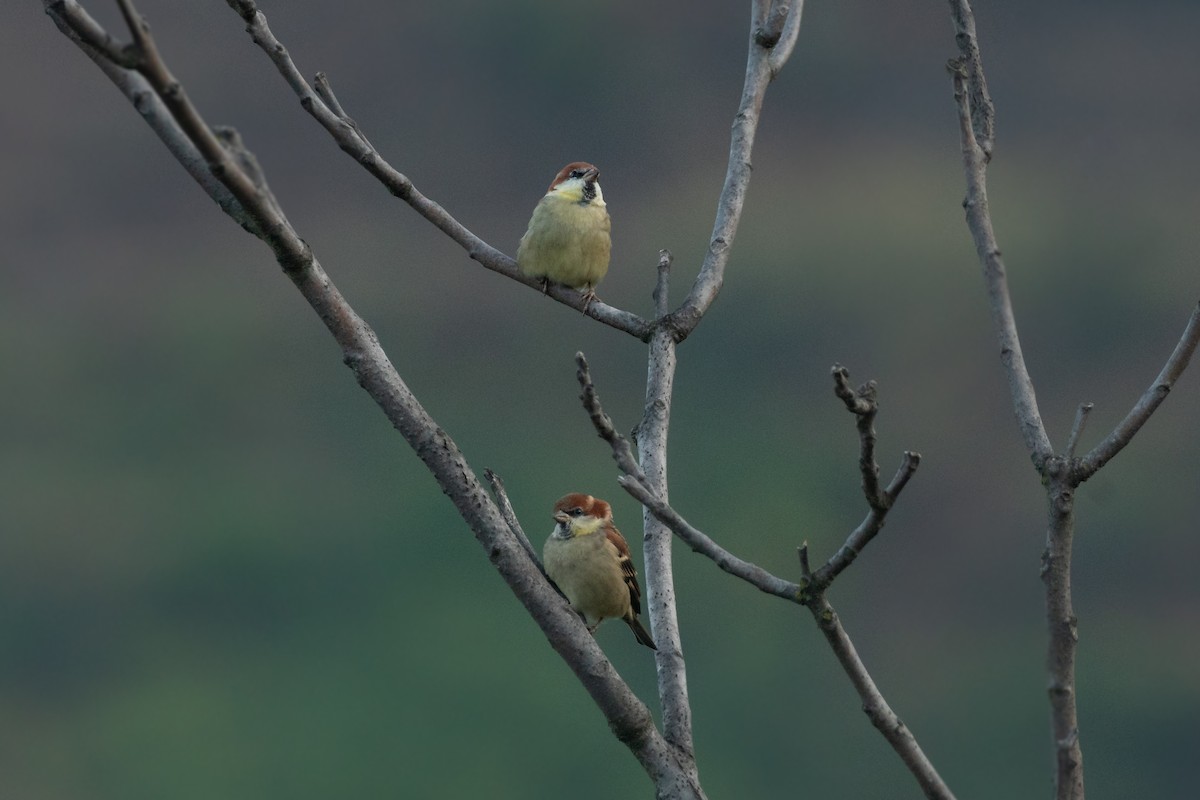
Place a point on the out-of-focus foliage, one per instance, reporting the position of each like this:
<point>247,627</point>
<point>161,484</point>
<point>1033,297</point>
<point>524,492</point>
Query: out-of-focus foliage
<point>223,575</point>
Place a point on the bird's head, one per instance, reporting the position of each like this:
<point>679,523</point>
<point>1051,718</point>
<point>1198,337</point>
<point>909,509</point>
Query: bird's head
<point>579,515</point>
<point>578,183</point>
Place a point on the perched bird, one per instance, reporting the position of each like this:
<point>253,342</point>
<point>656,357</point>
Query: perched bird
<point>589,560</point>
<point>567,241</point>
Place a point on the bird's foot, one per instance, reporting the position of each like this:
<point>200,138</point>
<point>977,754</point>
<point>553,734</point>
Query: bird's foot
<point>589,297</point>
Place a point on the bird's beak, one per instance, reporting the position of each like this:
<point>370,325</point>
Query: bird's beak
<point>591,175</point>
<point>561,517</point>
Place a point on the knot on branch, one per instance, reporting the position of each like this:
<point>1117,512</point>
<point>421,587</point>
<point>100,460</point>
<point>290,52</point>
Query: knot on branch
<point>770,32</point>
<point>957,67</point>
<point>861,401</point>
<point>246,9</point>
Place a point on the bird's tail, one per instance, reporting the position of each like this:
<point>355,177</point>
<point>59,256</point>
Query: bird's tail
<point>641,633</point>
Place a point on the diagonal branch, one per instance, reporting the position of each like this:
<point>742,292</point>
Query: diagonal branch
<point>1102,453</point>
<point>874,704</point>
<point>767,56</point>
<point>627,716</point>
<point>504,505</point>
<point>871,525</point>
<point>323,107</point>
<point>109,55</point>
<point>635,482</point>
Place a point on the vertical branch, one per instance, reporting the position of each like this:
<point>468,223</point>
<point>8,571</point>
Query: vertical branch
<point>976,132</point>
<point>1063,628</point>
<point>660,581</point>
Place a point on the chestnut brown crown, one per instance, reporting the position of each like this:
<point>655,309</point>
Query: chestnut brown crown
<point>576,169</point>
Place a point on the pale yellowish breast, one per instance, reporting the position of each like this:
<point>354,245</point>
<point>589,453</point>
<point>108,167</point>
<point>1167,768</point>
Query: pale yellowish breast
<point>567,242</point>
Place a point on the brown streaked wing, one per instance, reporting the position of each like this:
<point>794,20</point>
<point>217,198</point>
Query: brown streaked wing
<point>628,571</point>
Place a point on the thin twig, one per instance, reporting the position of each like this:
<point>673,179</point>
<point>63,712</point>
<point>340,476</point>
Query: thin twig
<point>1150,400</point>
<point>867,530</point>
<point>662,300</point>
<point>115,62</point>
<point>1081,417</point>
<point>863,404</point>
<point>510,517</point>
<point>782,50</point>
<point>983,111</point>
<point>700,543</point>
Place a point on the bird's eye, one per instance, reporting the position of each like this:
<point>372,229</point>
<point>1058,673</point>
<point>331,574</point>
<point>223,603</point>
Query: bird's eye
<point>576,512</point>
<point>577,173</point>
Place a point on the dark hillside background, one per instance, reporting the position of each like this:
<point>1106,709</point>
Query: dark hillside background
<point>223,575</point>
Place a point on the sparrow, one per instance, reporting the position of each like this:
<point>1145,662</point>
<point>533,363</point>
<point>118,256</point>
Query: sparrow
<point>567,241</point>
<point>587,557</point>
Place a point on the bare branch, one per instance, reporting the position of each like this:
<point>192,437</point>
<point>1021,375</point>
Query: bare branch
<point>602,422</point>
<point>871,525</point>
<point>969,86</point>
<point>656,541</point>
<point>976,133</point>
<point>662,299</point>
<point>791,11</point>
<point>627,716</point>
<point>635,483</point>
<point>1063,639</point>
<point>1102,453</point>
<point>875,706</point>
<point>510,518</point>
<point>983,112</point>
<point>78,26</point>
<point>863,405</point>
<point>1081,417</point>
<point>810,593</point>
<point>700,543</point>
<point>805,569</point>
<point>81,28</point>
<point>321,104</point>
<point>762,64</point>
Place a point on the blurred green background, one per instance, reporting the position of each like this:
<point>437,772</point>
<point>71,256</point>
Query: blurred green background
<point>223,575</point>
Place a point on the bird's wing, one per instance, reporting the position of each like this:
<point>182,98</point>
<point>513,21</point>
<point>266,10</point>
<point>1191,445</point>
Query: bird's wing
<point>628,571</point>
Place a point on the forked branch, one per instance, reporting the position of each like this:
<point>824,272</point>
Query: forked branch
<point>1061,474</point>
<point>810,592</point>
<point>1149,402</point>
<point>976,126</point>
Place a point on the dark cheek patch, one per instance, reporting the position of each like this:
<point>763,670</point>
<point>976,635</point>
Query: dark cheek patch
<point>589,191</point>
